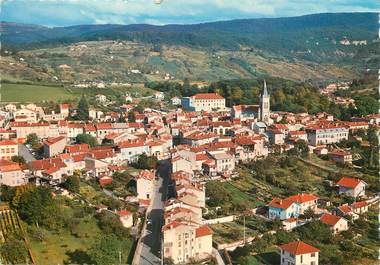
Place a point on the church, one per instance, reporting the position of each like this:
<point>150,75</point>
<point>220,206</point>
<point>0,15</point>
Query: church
<point>260,112</point>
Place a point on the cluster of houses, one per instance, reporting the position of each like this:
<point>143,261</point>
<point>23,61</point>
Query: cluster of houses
<point>291,210</point>
<point>204,140</point>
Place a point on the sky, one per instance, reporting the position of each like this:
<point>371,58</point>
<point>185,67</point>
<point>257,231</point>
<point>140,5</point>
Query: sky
<point>75,12</point>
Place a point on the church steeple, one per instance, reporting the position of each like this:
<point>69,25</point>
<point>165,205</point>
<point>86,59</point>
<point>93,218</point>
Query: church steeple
<point>265,91</point>
<point>265,104</point>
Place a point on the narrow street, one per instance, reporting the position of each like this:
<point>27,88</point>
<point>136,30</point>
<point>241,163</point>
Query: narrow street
<point>25,153</point>
<point>151,236</point>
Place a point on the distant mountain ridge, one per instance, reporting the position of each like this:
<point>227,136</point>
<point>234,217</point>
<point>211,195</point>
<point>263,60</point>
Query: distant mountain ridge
<point>310,37</point>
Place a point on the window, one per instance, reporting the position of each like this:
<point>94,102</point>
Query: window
<point>312,255</point>
<point>312,263</point>
<point>301,258</point>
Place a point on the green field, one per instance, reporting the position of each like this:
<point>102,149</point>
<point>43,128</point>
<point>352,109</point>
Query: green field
<point>12,92</point>
<point>57,246</point>
<point>34,93</point>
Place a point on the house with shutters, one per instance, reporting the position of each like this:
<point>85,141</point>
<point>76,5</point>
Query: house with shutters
<point>299,253</point>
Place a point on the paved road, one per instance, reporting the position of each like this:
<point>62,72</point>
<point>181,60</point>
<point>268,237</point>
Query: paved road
<point>25,153</point>
<point>151,236</point>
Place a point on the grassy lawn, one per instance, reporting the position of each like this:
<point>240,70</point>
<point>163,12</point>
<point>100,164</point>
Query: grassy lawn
<point>56,246</point>
<point>241,195</point>
<point>34,93</point>
<point>230,232</point>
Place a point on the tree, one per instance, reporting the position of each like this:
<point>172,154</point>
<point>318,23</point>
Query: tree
<point>301,148</point>
<point>7,193</point>
<point>32,139</point>
<point>315,231</point>
<point>186,87</point>
<point>217,193</point>
<point>18,159</point>
<point>106,250</point>
<point>72,184</point>
<point>109,223</point>
<point>131,116</point>
<point>146,162</point>
<point>85,138</point>
<point>33,205</point>
<point>309,213</point>
<point>82,111</point>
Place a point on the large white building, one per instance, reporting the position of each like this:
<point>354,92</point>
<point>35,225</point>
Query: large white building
<point>185,240</point>
<point>322,134</point>
<point>204,101</point>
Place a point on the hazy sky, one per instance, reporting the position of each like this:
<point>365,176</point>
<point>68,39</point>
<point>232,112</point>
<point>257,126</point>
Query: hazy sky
<point>74,12</point>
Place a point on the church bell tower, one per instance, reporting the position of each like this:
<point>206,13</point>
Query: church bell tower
<point>265,105</point>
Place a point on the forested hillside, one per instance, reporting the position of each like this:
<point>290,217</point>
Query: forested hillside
<point>313,37</point>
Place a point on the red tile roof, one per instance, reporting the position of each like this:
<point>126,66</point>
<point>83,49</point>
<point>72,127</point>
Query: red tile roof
<point>77,148</point>
<point>131,144</point>
<point>28,124</point>
<point>105,180</point>
<point>345,209</point>
<point>103,126</point>
<point>207,96</point>
<point>357,205</point>
<point>122,213</point>
<point>201,157</point>
<point>303,197</point>
<point>53,140</point>
<point>298,248</point>
<point>9,166</point>
<point>349,182</point>
<point>146,174</point>
<point>7,142</point>
<point>46,164</point>
<point>330,219</point>
<point>279,203</point>
<point>204,230</point>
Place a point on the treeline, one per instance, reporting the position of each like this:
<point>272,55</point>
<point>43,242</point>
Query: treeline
<point>286,95</point>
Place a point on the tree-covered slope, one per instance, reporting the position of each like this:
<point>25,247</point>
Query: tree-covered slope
<point>314,37</point>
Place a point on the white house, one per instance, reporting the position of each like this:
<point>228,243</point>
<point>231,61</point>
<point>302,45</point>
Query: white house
<point>299,253</point>
<point>144,183</point>
<point>337,223</point>
<point>130,150</point>
<point>176,101</point>
<point>126,218</point>
<point>352,187</point>
<point>283,209</point>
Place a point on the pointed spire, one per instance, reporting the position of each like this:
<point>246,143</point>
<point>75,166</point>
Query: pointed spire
<point>265,91</point>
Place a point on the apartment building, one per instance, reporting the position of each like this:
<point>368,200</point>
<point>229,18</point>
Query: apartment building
<point>11,174</point>
<point>8,148</point>
<point>54,146</point>
<point>321,134</point>
<point>185,240</point>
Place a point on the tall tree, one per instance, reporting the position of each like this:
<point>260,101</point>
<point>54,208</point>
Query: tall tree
<point>106,250</point>
<point>82,111</point>
<point>72,184</point>
<point>131,116</point>
<point>85,138</point>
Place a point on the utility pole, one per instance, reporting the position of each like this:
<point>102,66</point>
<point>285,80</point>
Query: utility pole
<point>119,257</point>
